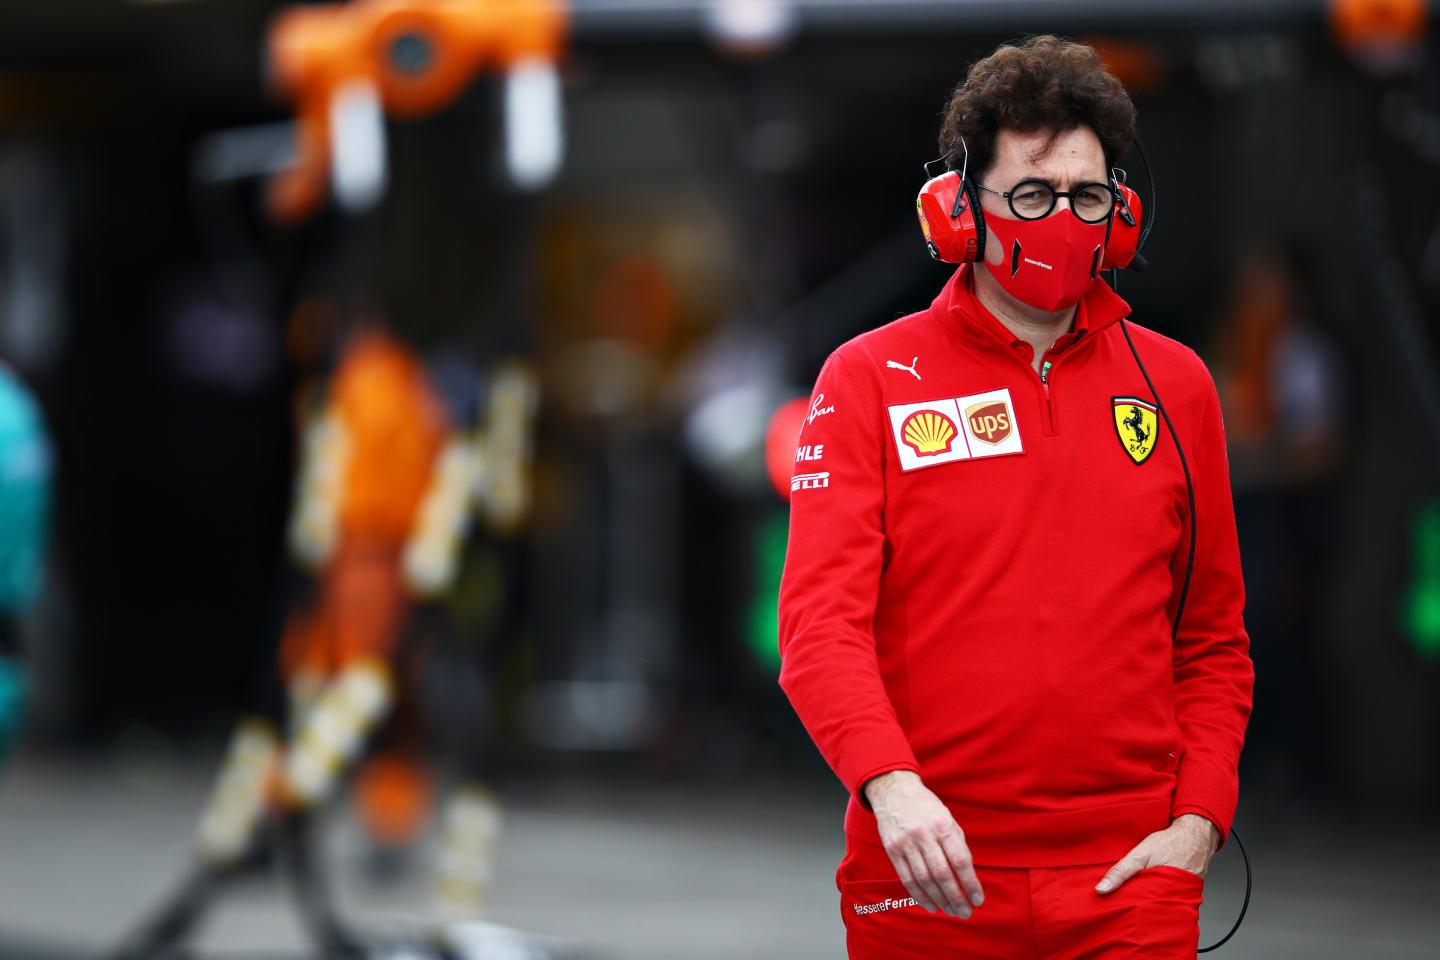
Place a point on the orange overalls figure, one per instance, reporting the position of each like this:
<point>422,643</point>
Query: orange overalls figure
<point>368,463</point>
<point>386,490</point>
<point>381,509</point>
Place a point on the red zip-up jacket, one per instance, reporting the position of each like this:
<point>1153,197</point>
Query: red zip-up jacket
<point>982,575</point>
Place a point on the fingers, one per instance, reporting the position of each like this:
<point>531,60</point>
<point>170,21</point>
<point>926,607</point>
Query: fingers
<point>952,842</point>
<point>936,868</point>
<point>907,878</point>
<point>944,879</point>
<point>925,880</point>
<point>1124,869</point>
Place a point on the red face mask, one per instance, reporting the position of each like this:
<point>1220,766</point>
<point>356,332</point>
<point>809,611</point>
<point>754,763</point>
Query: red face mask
<point>1049,263</point>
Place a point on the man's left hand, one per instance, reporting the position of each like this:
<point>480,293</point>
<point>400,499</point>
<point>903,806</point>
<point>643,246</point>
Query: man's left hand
<point>1188,843</point>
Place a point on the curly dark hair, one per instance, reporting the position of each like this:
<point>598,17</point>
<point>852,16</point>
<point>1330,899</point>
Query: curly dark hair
<point>1042,82</point>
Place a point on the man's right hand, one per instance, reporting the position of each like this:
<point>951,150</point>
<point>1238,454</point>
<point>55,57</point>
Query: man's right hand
<point>924,843</point>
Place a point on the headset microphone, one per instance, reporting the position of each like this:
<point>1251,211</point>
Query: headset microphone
<point>954,227</point>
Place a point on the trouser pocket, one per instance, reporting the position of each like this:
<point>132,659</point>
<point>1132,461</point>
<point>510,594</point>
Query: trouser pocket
<point>882,920</point>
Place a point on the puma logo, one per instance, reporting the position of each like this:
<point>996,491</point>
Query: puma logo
<point>901,366</point>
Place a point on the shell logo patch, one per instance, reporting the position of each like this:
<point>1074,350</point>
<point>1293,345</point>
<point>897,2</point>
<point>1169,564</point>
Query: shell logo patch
<point>1136,425</point>
<point>954,428</point>
<point>928,432</point>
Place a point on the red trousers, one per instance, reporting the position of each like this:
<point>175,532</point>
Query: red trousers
<point>1030,913</point>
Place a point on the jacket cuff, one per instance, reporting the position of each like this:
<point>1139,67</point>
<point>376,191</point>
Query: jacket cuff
<point>1201,811</point>
<point>859,790</point>
<point>871,755</point>
<point>1208,792</point>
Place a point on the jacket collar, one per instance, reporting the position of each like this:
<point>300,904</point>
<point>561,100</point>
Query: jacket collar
<point>959,311</point>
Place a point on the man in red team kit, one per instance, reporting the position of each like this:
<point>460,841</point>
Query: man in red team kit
<point>988,548</point>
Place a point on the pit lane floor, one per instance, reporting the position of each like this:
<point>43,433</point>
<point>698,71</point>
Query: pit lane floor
<point>645,873</point>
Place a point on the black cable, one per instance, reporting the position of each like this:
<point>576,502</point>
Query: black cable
<point>1190,496</point>
<point>1185,591</point>
<point>1243,907</point>
<point>1154,199</point>
<point>1189,486</point>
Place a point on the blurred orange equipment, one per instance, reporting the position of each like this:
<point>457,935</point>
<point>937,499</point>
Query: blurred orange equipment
<point>1371,27</point>
<point>418,54</point>
<point>1140,66</point>
<point>393,795</point>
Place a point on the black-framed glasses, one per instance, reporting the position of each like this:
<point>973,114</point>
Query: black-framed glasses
<point>1034,199</point>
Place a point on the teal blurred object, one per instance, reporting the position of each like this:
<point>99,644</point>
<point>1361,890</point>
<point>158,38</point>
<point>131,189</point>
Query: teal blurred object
<point>14,685</point>
<point>24,503</point>
<point>24,495</point>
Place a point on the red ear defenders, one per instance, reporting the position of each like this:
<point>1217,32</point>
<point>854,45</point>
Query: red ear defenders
<point>953,233</point>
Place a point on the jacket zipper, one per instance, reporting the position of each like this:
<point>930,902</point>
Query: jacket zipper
<point>1044,377</point>
<point>1045,387</point>
<point>1045,382</point>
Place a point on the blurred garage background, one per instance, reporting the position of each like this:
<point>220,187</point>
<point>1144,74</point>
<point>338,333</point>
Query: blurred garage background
<point>609,249</point>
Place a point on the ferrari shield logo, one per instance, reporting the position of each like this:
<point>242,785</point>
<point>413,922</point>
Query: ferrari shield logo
<point>1136,426</point>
